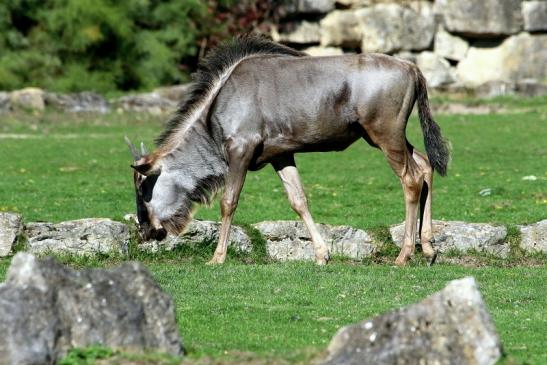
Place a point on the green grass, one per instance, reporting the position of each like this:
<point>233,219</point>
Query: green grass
<point>59,166</point>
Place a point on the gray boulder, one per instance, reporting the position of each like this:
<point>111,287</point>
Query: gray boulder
<point>49,308</point>
<point>11,226</point>
<point>485,18</point>
<point>324,51</point>
<point>534,237</point>
<point>340,28</point>
<point>301,32</point>
<point>450,46</point>
<point>152,103</point>
<point>174,93</point>
<point>290,240</point>
<point>462,236</point>
<point>198,232</point>
<point>81,237</point>
<point>388,28</point>
<point>449,327</point>
<point>85,101</point>
<point>436,69</point>
<point>308,6</point>
<point>5,102</point>
<point>535,16</point>
<point>30,98</point>
<point>516,58</point>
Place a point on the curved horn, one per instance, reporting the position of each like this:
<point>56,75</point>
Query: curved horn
<point>143,149</point>
<point>133,149</point>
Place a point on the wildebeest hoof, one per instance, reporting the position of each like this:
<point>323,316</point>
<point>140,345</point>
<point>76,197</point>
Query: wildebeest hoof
<point>428,251</point>
<point>216,260</point>
<point>402,260</point>
<point>322,259</point>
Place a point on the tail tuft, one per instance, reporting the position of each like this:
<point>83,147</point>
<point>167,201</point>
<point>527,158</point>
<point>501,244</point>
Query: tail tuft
<point>435,145</point>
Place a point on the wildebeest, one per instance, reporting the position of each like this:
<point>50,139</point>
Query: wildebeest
<point>256,102</point>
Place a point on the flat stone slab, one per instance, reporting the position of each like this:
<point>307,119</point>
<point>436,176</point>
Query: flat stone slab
<point>451,326</point>
<point>80,237</point>
<point>198,232</point>
<point>11,225</point>
<point>462,236</point>
<point>534,237</point>
<point>290,240</point>
<point>48,308</point>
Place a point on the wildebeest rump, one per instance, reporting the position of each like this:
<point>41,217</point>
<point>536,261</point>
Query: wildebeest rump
<point>256,102</point>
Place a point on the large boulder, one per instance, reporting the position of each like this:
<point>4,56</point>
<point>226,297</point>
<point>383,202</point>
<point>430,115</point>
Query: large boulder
<point>308,6</point>
<point>462,236</point>
<point>11,225</point>
<point>534,237</point>
<point>175,93</point>
<point>449,327</point>
<point>5,102</point>
<point>198,232</point>
<point>485,18</point>
<point>436,69</point>
<point>450,46</point>
<point>152,103</point>
<point>49,308</point>
<point>518,57</point>
<point>340,28</point>
<point>290,240</point>
<point>85,101</point>
<point>324,51</point>
<point>301,32</point>
<point>30,98</point>
<point>81,237</point>
<point>535,16</point>
<point>388,28</point>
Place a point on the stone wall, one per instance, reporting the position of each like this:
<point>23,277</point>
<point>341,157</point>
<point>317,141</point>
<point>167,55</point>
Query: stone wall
<point>492,46</point>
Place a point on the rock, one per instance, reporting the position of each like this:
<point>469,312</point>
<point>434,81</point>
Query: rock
<point>451,326</point>
<point>53,308</point>
<point>356,4</point>
<point>309,6</point>
<point>290,240</point>
<point>534,237</point>
<point>30,98</point>
<point>436,69</point>
<point>5,102</point>
<point>81,237</point>
<point>450,46</point>
<point>324,51</point>
<point>388,28</point>
<point>340,28</point>
<point>518,57</point>
<point>531,87</point>
<point>175,93</point>
<point>199,232</point>
<point>152,103</point>
<point>302,33</point>
<point>535,15</point>
<point>407,56</point>
<point>85,101</point>
<point>11,225</point>
<point>491,89</point>
<point>462,236</point>
<point>486,18</point>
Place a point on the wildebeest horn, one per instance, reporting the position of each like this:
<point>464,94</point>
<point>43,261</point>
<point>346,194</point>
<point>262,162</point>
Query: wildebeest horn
<point>136,155</point>
<point>143,149</point>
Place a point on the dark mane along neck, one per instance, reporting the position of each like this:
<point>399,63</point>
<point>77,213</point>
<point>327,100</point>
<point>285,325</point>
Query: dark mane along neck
<point>211,75</point>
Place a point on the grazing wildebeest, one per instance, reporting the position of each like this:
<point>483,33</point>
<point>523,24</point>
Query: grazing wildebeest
<point>256,102</point>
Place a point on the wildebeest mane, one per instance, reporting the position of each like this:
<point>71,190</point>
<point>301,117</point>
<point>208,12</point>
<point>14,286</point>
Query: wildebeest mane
<point>213,66</point>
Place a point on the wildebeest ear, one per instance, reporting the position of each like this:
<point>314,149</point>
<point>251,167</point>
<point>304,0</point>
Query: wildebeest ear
<point>146,169</point>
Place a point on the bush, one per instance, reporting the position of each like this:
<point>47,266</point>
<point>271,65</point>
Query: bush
<point>104,45</point>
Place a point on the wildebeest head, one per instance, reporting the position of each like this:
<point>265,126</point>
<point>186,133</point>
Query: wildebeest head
<point>155,196</point>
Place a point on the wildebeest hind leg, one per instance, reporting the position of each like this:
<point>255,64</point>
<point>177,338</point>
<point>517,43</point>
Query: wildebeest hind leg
<point>286,169</point>
<point>412,178</point>
<point>426,228</point>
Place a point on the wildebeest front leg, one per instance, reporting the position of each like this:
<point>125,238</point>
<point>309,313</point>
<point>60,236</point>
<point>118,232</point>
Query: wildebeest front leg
<point>239,157</point>
<point>286,169</point>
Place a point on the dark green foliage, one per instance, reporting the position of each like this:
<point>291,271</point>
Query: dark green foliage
<point>103,45</point>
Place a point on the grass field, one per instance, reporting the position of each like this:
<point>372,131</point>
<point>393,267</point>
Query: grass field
<point>58,167</point>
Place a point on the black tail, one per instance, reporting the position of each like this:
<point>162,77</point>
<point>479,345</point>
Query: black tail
<point>435,145</point>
